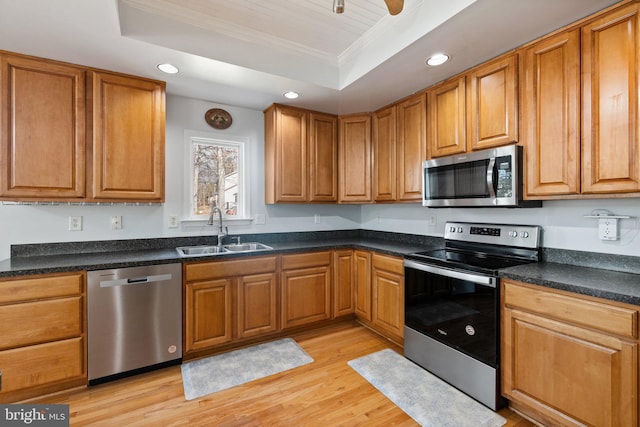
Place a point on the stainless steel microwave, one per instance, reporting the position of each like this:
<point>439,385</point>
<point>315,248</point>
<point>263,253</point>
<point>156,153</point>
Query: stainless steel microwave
<point>482,178</point>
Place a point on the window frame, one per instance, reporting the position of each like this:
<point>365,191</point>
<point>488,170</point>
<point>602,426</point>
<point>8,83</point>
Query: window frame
<point>214,138</point>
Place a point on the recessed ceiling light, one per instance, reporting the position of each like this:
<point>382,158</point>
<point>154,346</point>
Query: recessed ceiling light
<point>437,59</point>
<point>168,68</point>
<point>290,95</point>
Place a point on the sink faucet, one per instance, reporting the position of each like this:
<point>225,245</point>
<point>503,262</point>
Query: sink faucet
<point>221,229</point>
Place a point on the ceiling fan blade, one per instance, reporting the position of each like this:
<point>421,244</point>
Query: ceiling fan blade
<point>394,6</point>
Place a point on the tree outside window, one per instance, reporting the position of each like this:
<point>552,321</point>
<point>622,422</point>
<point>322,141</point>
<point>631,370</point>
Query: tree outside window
<point>216,177</point>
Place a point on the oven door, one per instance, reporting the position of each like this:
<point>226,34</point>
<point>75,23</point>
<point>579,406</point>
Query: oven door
<point>454,307</point>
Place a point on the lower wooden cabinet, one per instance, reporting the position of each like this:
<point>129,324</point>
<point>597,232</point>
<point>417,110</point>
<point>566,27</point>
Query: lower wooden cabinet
<point>305,288</point>
<point>362,284</point>
<point>229,300</point>
<point>379,293</point>
<point>208,319</point>
<point>387,286</point>
<point>568,360</point>
<point>343,278</point>
<point>43,330</point>
<point>257,304</point>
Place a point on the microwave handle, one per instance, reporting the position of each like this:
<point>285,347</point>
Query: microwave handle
<point>490,175</point>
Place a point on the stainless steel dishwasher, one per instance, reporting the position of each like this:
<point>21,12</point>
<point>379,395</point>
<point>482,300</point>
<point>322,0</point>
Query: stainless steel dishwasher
<point>134,318</point>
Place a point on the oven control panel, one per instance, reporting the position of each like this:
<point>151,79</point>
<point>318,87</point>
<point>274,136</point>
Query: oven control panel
<point>527,236</point>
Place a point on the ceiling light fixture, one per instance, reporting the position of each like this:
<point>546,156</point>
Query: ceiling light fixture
<point>338,6</point>
<point>168,68</point>
<point>291,95</point>
<point>437,59</point>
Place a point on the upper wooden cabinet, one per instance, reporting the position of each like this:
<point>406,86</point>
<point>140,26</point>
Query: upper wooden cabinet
<point>610,85</point>
<point>73,133</point>
<point>354,159</point>
<point>127,129</point>
<point>412,147</point>
<point>551,115</point>
<point>399,147</point>
<point>492,103</point>
<point>384,155</point>
<point>42,129</point>
<point>607,161</point>
<point>475,110</point>
<point>300,156</point>
<point>447,112</point>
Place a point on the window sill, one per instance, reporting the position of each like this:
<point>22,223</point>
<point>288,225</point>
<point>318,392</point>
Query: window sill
<point>200,223</point>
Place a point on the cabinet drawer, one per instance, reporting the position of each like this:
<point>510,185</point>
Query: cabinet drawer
<point>42,364</point>
<point>238,267</point>
<point>605,317</point>
<point>313,259</point>
<point>15,290</point>
<point>388,263</point>
<point>40,321</point>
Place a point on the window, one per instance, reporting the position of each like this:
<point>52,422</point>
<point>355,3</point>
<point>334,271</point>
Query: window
<point>216,177</point>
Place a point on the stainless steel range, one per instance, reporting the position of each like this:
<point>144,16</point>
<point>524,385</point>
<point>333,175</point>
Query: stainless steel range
<point>452,304</point>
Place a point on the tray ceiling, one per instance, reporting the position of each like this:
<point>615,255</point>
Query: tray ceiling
<point>248,52</point>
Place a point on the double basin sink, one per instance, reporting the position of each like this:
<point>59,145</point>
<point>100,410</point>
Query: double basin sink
<point>206,250</point>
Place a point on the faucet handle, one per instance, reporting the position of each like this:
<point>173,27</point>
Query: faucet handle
<point>226,230</point>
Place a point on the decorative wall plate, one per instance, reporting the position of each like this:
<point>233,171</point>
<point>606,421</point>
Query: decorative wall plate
<point>218,118</point>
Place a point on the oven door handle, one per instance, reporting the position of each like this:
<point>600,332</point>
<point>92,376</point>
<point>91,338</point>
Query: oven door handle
<point>454,274</point>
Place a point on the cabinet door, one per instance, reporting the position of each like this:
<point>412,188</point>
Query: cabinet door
<point>257,305</point>
<point>447,131</point>
<point>492,111</point>
<point>610,85</point>
<point>208,314</point>
<point>42,129</point>
<point>411,147</point>
<point>323,158</point>
<point>128,138</point>
<point>384,155</point>
<point>286,157</point>
<point>362,287</point>
<point>343,279</point>
<point>306,295</point>
<point>551,115</point>
<point>569,375</point>
<point>388,294</point>
<point>355,159</point>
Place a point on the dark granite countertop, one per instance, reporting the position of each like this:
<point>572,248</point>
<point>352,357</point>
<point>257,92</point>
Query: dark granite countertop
<point>618,280</point>
<point>608,284</point>
<point>53,263</point>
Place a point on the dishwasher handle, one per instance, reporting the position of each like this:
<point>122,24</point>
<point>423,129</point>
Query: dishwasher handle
<point>135,280</point>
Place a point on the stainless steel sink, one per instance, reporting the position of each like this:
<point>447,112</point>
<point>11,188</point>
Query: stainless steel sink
<point>186,251</point>
<point>247,247</point>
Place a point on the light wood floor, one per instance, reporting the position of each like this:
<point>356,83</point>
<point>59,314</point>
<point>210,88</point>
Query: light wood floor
<point>324,393</point>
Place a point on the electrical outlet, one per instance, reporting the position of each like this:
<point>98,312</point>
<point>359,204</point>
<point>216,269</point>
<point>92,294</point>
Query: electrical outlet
<point>608,228</point>
<point>433,220</point>
<point>378,219</point>
<point>173,221</point>
<point>116,222</point>
<point>260,219</point>
<point>75,223</point>
<point>316,219</point>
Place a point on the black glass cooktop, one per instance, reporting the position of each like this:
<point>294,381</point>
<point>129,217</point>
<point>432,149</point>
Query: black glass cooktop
<point>475,261</point>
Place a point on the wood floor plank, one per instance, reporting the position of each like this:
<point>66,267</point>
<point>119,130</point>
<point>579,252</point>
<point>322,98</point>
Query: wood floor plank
<point>324,393</point>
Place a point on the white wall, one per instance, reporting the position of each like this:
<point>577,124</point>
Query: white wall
<point>22,224</point>
<point>563,222</point>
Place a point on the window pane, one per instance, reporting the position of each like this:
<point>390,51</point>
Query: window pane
<point>215,178</point>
